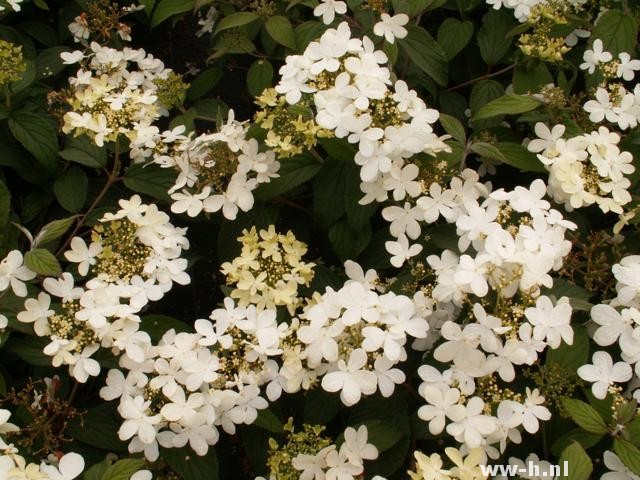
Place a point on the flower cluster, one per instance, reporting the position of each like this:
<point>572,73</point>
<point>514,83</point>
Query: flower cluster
<point>522,9</point>
<point>354,98</point>
<point>353,338</point>
<point>133,258</point>
<point>190,384</point>
<point>269,269</point>
<point>617,321</point>
<point>585,169</point>
<point>307,455</point>
<point>114,92</point>
<point>612,102</point>
<point>216,171</point>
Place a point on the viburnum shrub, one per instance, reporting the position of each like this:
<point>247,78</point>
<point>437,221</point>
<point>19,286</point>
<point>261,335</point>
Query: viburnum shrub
<point>319,239</point>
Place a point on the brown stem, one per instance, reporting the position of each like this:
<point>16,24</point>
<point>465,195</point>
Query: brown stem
<point>483,77</point>
<point>111,179</point>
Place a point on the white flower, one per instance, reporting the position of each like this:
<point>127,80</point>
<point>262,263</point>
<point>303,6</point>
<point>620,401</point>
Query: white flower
<point>37,312</point>
<point>627,67</point>
<point>604,373</point>
<point>442,402</point>
<point>355,446</point>
<point>83,366</point>
<point>69,467</point>
<point>82,255</point>
<point>327,9</point>
<point>401,251</point>
<point>592,58</point>
<point>391,27</point>
<point>12,272</point>
<point>137,421</point>
<point>350,379</point>
<point>473,425</point>
<point>551,323</point>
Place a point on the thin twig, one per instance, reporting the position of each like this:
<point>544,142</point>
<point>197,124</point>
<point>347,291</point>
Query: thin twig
<point>483,77</point>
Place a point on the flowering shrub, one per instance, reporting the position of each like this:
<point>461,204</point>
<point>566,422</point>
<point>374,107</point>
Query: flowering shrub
<point>319,239</point>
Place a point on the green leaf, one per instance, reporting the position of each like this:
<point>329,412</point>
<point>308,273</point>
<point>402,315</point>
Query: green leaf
<point>618,31</point>
<point>49,62</point>
<point>268,420</point>
<point>626,411</point>
<point>308,31</point>
<point>321,407</point>
<point>98,427</point>
<point>190,466</point>
<point>70,189</point>
<point>42,262</point>
<point>518,156</point>
<point>37,135</point>
<point>169,8</point>
<point>453,36</point>
<point>628,453</point>
<point>632,431</point>
<point>328,192</point>
<point>149,179</point>
<point>96,471</point>
<point>259,76</point>
<point>579,465</point>
<point>204,82</point>
<point>529,80</point>
<point>348,242</point>
<point>571,356</point>
<point>237,19</point>
<point>123,469</point>
<point>584,415</point>
<point>425,53</point>
<point>29,350</point>
<point>453,127</point>
<point>357,215</point>
<point>293,172</point>
<point>53,230</point>
<point>507,105</point>
<point>487,150</point>
<point>383,434</point>
<point>5,206</point>
<point>157,325</point>
<point>492,37</point>
<point>83,151</point>
<point>586,439</point>
<point>281,31</point>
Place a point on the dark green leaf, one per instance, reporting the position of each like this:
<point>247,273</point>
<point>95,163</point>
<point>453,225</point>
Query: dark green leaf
<point>168,8</point>
<point>157,325</point>
<point>98,427</point>
<point>29,350</point>
<point>149,179</point>
<point>267,420</point>
<point>83,151</point>
<point>42,262</point>
<point>492,37</point>
<point>585,416</point>
<point>348,242</point>
<point>571,356</point>
<point>37,135</point>
<point>508,105</point>
<point>54,230</point>
<point>628,453</point>
<point>425,53</point>
<point>321,407</point>
<point>618,31</point>
<point>204,82</point>
<point>578,462</point>
<point>293,172</point>
<point>516,155</point>
<point>236,20</point>
<point>453,36</point>
<point>190,466</point>
<point>586,439</point>
<point>70,189</point>
<point>123,469</point>
<point>259,77</point>
<point>281,31</point>
<point>5,206</point>
<point>453,127</point>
